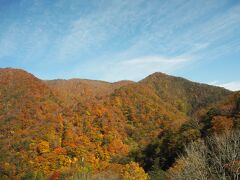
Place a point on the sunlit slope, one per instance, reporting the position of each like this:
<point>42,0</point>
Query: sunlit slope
<point>30,122</point>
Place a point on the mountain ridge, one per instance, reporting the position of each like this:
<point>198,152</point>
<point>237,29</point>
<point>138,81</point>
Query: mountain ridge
<point>155,74</point>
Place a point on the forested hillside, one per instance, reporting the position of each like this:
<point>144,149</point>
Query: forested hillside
<point>90,129</point>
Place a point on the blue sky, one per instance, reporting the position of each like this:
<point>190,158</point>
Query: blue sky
<point>123,39</point>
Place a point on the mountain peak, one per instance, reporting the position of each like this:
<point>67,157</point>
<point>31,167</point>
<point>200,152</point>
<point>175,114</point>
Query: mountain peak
<point>12,70</point>
<point>159,76</point>
<point>12,73</point>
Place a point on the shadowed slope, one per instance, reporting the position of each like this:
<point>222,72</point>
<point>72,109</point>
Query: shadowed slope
<point>183,94</point>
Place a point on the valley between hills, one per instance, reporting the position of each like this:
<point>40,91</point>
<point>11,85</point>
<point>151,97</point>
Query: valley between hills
<point>86,129</point>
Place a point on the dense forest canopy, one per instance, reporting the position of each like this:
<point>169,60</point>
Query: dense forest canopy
<point>90,129</point>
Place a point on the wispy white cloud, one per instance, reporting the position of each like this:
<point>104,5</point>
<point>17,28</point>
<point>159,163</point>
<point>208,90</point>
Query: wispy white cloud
<point>234,85</point>
<point>96,30</point>
<point>170,28</point>
<point>162,61</point>
<point>132,69</point>
<point>137,68</point>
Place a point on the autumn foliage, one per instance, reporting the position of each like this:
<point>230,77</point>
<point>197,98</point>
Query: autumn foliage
<point>81,128</point>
